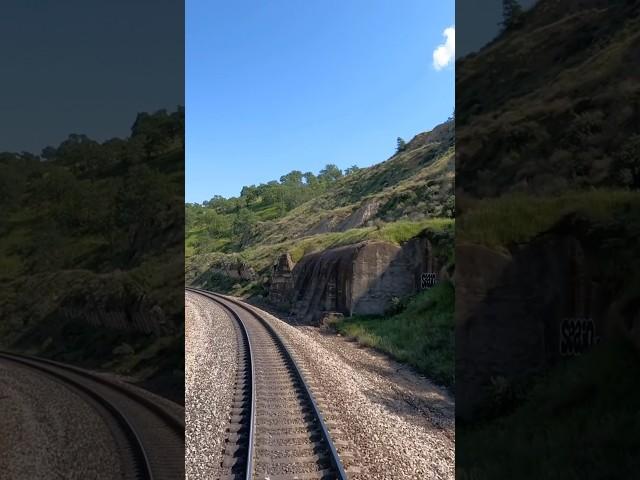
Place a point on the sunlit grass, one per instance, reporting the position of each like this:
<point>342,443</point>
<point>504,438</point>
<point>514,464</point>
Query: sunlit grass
<point>579,421</point>
<point>422,335</point>
<point>396,232</point>
<point>518,218</point>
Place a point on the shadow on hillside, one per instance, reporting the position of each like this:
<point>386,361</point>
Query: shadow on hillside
<point>522,313</point>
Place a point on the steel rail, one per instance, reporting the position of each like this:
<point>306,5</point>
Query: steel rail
<point>144,470</point>
<point>335,458</point>
<point>176,424</point>
<point>252,417</point>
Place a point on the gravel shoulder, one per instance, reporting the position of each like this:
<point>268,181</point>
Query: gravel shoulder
<point>210,368</point>
<point>389,421</point>
<point>40,419</point>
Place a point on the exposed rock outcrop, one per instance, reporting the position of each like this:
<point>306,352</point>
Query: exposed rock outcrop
<point>360,279</point>
<point>519,311</point>
<point>323,226</point>
<point>431,253</point>
<point>361,216</point>
<point>230,267</point>
<point>355,279</point>
<point>443,133</point>
<point>281,283</point>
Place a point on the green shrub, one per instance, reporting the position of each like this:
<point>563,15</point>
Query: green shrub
<point>421,335</point>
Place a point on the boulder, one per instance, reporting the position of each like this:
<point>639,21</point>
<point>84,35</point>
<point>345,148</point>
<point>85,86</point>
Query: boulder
<point>354,279</point>
<point>363,279</point>
<point>328,319</point>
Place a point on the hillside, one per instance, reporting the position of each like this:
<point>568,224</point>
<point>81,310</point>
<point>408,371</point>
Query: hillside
<point>547,184</point>
<point>412,185</point>
<point>553,103</point>
<point>90,252</point>
<point>277,245</point>
<point>392,201</point>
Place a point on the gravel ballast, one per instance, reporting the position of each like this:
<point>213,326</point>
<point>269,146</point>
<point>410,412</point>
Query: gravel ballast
<point>210,368</point>
<point>50,432</point>
<point>389,422</point>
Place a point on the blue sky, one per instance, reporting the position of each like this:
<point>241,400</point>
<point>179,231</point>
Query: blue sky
<point>479,22</point>
<point>86,67</point>
<point>278,85</point>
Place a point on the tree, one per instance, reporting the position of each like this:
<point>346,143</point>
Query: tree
<point>511,11</point>
<point>178,124</point>
<point>158,131</point>
<point>351,169</point>
<point>48,153</point>
<point>13,181</point>
<point>401,145</point>
<point>145,207</point>
<point>293,178</point>
<point>330,173</point>
<point>217,202</point>
<point>244,224</point>
<point>82,154</point>
<point>250,193</point>
<point>310,179</point>
<point>116,151</point>
<point>216,224</point>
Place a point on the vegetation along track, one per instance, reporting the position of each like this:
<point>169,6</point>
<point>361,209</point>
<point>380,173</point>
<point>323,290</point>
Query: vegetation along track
<point>277,430</point>
<point>151,439</point>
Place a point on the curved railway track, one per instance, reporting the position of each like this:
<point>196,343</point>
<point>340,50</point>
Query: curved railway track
<point>152,438</point>
<point>277,431</point>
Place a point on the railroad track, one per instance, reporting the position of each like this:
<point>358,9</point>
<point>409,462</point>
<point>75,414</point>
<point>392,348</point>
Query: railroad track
<point>277,431</point>
<point>150,437</point>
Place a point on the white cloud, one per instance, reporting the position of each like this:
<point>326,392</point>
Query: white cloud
<point>445,52</point>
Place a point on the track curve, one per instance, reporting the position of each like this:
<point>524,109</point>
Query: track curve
<point>154,447</point>
<point>277,430</point>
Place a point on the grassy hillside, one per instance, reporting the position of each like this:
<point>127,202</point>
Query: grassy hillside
<point>88,229</point>
<point>302,213</point>
<point>553,103</point>
<point>420,333</point>
<point>413,184</point>
<point>517,218</point>
<point>547,122</point>
<point>231,244</point>
<point>539,145</point>
<point>575,422</point>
